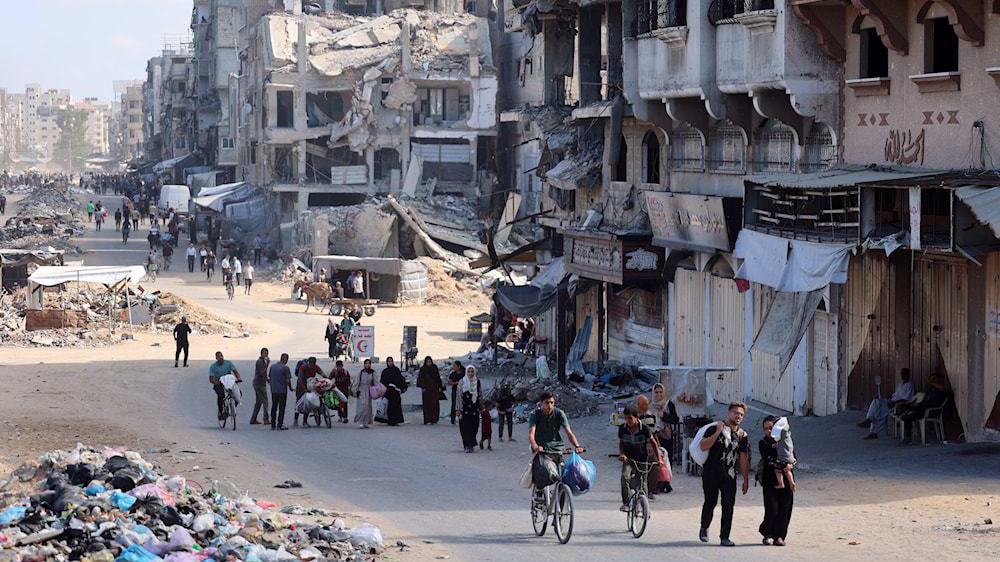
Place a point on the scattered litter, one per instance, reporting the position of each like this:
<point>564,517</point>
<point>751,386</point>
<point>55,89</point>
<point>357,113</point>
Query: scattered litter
<point>112,505</point>
<point>288,484</point>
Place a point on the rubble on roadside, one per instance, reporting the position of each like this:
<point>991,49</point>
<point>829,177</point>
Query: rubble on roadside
<point>84,311</point>
<point>46,216</point>
<point>112,504</point>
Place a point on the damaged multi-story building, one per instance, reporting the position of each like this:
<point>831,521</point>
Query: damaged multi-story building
<point>335,106</point>
<point>169,121</point>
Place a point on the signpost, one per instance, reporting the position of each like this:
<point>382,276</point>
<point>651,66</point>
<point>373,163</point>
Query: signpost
<point>364,341</point>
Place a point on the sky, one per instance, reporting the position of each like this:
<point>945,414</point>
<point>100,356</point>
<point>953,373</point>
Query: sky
<point>84,45</point>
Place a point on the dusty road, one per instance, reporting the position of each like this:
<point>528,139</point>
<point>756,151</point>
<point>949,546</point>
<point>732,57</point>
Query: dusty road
<point>875,500</point>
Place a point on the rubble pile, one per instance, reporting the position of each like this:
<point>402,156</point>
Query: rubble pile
<point>84,317</point>
<point>47,216</point>
<point>107,505</point>
<point>446,286</point>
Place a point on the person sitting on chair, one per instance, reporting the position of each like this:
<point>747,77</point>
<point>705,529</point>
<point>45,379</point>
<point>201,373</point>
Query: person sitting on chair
<point>879,409</point>
<point>935,397</point>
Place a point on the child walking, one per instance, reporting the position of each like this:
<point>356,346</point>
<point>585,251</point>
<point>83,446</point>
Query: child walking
<point>486,432</point>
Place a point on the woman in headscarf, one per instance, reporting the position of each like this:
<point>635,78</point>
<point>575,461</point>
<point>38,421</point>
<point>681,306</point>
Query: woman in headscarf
<point>332,331</point>
<point>468,426</point>
<point>429,382</point>
<point>666,414</point>
<point>364,415</point>
<point>777,501</point>
<point>395,386</point>
<point>455,376</point>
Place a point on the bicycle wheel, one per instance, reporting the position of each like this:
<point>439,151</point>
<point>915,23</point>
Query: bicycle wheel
<point>563,521</point>
<point>630,513</point>
<point>539,513</point>
<point>232,412</point>
<point>639,514</point>
<point>224,418</point>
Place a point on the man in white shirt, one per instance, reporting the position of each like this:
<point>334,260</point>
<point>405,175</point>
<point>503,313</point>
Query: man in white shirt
<point>350,286</point>
<point>226,268</point>
<point>878,410</point>
<point>359,285</point>
<point>191,254</point>
<point>248,276</point>
<point>238,269</point>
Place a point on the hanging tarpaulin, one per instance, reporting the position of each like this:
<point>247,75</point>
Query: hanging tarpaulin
<point>786,322</point>
<point>790,265</point>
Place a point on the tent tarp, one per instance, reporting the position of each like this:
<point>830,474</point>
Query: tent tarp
<point>379,266</point>
<point>786,322</point>
<point>525,300</point>
<point>217,189</point>
<point>49,276</point>
<point>217,201</point>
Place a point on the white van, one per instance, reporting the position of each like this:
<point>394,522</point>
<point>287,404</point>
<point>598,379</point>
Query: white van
<point>176,197</point>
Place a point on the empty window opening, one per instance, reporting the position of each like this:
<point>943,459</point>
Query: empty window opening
<point>324,108</point>
<point>386,160</point>
<point>286,108</point>
<point>940,46</point>
<point>727,147</point>
<point>651,158</point>
<point>874,55</point>
<point>935,217</point>
<point>620,170</point>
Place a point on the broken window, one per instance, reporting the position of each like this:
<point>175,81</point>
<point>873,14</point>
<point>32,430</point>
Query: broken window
<point>324,108</point>
<point>444,159</point>
<point>687,149</point>
<point>935,217</point>
<point>651,158</point>
<point>727,147</point>
<point>940,46</point>
<point>620,169</point>
<point>438,105</point>
<point>891,212</point>
<point>253,152</point>
<point>384,86</point>
<point>774,148</point>
<point>285,108</point>
<point>284,164</point>
<point>386,160</point>
<point>874,55</point>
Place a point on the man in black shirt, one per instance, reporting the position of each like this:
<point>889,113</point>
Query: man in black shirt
<point>728,450</point>
<point>181,331</point>
<point>260,387</point>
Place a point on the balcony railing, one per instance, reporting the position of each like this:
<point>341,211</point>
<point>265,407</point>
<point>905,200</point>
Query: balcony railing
<point>725,11</point>
<point>658,14</point>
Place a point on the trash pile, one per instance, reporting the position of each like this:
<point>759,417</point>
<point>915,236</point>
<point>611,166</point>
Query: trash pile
<point>79,317</point>
<point>47,216</point>
<point>102,506</point>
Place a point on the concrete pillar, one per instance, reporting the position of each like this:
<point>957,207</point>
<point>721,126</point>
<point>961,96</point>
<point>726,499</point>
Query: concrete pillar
<point>976,370</point>
<point>615,71</point>
<point>300,172</point>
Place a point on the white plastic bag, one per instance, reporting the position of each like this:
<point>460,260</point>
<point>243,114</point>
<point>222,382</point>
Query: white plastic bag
<point>229,382</point>
<point>542,368</point>
<point>381,405</point>
<point>526,478</point>
<point>366,536</point>
<point>694,449</point>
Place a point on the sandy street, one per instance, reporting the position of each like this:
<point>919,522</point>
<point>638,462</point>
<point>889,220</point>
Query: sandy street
<point>875,500</point>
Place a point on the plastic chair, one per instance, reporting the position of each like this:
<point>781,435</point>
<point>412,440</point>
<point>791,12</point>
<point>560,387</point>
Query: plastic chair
<point>935,418</point>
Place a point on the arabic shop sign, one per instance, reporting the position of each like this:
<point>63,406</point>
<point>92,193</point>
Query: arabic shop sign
<point>615,260</point>
<point>690,221</point>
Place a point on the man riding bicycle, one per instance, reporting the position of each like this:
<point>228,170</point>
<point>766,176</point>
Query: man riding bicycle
<point>544,427</point>
<point>634,442</point>
<point>216,371</point>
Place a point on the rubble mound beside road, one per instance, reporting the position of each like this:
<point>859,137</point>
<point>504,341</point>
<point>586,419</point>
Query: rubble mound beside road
<point>107,505</point>
<point>47,216</point>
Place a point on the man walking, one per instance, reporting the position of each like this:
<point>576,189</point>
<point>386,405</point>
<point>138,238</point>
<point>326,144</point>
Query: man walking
<point>280,377</point>
<point>191,254</point>
<point>238,269</point>
<point>258,246</point>
<point>181,331</point>
<point>728,449</point>
<point>248,277</point>
<point>260,387</point>
<point>90,211</point>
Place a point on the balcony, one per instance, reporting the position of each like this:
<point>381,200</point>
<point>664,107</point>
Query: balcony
<point>669,35</point>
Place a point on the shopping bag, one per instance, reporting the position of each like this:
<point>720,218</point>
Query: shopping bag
<point>694,449</point>
<point>666,474</point>
<point>579,474</point>
<point>544,471</point>
<point>526,477</point>
<point>380,405</point>
<point>340,395</point>
<point>376,390</point>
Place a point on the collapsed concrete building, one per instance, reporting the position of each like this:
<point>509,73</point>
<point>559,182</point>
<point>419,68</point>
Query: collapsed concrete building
<point>338,106</point>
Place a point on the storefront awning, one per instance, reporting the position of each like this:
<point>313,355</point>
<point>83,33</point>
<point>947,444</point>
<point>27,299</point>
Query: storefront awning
<point>984,203</point>
<point>379,266</point>
<point>215,198</point>
<point>49,276</point>
<point>790,265</point>
<point>841,176</point>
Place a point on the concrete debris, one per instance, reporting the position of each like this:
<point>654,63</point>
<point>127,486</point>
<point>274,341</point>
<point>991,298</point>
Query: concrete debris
<point>79,317</point>
<point>47,216</point>
<point>85,504</point>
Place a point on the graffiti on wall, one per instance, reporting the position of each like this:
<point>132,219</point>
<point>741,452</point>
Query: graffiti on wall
<point>903,147</point>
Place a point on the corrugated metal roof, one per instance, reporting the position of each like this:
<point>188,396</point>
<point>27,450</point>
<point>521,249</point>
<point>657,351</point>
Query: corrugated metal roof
<point>985,204</point>
<point>842,176</point>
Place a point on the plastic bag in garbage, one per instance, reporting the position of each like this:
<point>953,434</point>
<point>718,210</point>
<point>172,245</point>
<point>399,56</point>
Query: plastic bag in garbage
<point>122,501</point>
<point>366,536</point>
<point>579,474</point>
<point>12,514</point>
<point>203,522</point>
<point>136,553</point>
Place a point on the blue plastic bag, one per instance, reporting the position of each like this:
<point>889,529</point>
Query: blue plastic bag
<point>136,553</point>
<point>122,501</point>
<point>95,488</point>
<point>12,514</point>
<point>579,474</point>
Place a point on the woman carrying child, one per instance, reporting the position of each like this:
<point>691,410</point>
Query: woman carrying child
<point>777,500</point>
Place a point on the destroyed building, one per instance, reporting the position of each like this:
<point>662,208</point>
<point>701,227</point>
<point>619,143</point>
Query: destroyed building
<point>337,106</point>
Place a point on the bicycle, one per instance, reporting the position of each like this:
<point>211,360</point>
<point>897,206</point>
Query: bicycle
<point>637,514</point>
<point>229,404</point>
<point>554,500</point>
